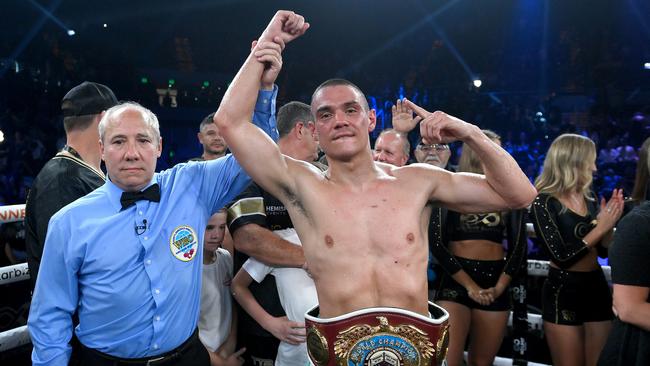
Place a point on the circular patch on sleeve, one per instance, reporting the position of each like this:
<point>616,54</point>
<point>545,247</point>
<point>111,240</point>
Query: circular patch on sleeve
<point>184,243</point>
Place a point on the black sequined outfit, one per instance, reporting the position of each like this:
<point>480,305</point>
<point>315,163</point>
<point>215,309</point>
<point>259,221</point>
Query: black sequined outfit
<point>561,230</point>
<point>493,227</point>
<point>569,297</point>
<point>573,298</point>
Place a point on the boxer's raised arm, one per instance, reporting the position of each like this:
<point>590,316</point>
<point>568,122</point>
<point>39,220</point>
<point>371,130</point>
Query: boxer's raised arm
<point>504,185</point>
<point>256,152</point>
<point>502,171</point>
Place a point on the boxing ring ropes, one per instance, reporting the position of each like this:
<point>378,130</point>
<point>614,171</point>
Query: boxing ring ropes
<point>19,336</point>
<point>16,337</point>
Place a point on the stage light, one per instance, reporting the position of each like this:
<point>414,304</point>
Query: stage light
<point>477,83</point>
<point>144,80</point>
<point>206,84</point>
<point>2,136</point>
<point>105,25</point>
<point>71,32</point>
<point>646,66</point>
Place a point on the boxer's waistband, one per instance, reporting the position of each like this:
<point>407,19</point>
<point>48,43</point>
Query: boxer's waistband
<point>381,335</point>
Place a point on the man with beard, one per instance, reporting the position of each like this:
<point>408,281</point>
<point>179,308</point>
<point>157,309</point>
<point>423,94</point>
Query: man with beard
<point>213,144</point>
<point>434,154</point>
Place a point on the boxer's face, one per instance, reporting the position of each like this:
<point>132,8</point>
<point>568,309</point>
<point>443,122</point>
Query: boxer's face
<point>130,150</point>
<point>342,121</point>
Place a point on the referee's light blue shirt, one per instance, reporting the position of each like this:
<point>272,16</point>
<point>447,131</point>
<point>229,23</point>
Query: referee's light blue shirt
<point>137,291</point>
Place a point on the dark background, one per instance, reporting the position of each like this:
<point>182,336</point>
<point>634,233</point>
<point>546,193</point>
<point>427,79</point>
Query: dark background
<point>547,67</point>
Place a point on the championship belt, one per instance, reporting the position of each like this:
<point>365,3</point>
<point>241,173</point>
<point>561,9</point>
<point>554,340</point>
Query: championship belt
<point>378,337</point>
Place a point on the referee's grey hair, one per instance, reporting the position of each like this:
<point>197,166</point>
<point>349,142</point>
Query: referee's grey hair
<point>148,117</point>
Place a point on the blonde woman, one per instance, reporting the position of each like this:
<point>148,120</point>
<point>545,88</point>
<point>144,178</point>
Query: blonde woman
<point>474,287</point>
<point>576,300</point>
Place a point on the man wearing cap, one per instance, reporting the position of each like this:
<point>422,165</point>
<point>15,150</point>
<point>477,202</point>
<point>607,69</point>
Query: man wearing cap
<point>73,172</point>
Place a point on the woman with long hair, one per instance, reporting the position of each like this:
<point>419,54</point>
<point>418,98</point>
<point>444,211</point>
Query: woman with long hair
<point>572,228</point>
<point>475,286</point>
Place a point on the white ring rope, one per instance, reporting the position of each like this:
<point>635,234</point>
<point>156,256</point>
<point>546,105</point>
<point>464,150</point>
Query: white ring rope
<point>13,338</point>
<point>16,337</point>
<point>15,273</point>
<point>535,321</point>
<point>12,213</point>
<point>501,361</point>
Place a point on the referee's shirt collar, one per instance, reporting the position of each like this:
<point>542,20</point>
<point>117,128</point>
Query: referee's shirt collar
<point>115,192</point>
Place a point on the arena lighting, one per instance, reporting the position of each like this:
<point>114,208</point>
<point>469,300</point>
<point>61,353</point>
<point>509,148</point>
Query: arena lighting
<point>50,14</point>
<point>646,65</point>
<point>477,83</point>
<point>397,39</point>
<point>2,136</point>
<point>105,25</point>
<point>33,31</point>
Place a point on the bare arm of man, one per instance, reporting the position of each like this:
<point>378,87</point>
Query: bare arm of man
<point>262,244</point>
<point>504,185</point>
<point>281,327</point>
<point>245,141</point>
<point>631,305</point>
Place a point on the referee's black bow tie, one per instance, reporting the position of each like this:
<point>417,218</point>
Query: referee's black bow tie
<point>129,199</point>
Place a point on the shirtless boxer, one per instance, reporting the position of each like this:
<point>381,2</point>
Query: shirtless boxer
<point>359,259</point>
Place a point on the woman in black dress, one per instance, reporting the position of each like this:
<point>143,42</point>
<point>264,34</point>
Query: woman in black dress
<point>573,229</point>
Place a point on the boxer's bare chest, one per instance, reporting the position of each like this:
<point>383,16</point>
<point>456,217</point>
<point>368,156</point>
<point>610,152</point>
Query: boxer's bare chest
<point>380,216</point>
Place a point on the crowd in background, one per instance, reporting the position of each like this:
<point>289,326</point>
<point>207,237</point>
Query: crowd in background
<point>31,124</point>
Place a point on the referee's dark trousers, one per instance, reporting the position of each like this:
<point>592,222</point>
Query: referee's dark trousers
<point>190,353</point>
